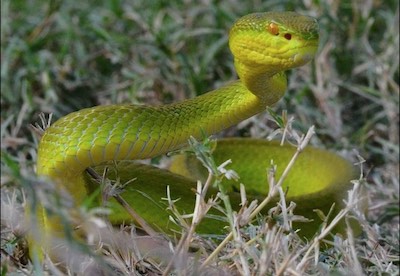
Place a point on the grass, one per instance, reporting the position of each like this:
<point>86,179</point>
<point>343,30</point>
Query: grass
<point>58,57</point>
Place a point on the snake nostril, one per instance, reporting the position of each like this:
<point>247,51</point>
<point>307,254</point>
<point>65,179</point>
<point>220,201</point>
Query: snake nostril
<point>288,36</point>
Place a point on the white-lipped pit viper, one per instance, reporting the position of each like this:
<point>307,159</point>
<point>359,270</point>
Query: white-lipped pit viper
<point>264,45</point>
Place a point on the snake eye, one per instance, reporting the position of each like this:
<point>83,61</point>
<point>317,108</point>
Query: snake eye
<point>273,29</point>
<point>288,36</point>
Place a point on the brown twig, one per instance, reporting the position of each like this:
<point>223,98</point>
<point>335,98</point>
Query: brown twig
<point>146,227</point>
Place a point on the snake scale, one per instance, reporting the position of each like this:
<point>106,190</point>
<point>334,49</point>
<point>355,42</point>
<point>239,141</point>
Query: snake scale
<point>264,45</point>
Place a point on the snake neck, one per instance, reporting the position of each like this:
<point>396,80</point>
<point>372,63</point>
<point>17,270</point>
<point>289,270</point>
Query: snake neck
<point>267,83</point>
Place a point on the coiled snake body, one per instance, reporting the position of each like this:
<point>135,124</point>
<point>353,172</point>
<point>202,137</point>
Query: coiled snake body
<point>264,45</point>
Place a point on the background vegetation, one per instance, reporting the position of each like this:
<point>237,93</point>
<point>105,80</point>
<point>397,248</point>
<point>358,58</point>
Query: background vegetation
<point>60,56</point>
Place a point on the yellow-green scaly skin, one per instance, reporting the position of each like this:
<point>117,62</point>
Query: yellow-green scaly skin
<point>264,45</point>
<point>128,132</point>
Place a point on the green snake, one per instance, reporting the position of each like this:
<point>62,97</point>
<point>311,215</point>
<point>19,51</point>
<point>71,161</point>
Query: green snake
<point>264,45</point>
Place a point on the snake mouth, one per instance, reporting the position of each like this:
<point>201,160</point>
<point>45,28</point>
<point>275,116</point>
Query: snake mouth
<point>302,58</point>
<point>304,54</point>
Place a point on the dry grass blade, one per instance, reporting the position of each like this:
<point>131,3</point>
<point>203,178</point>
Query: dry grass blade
<point>273,191</point>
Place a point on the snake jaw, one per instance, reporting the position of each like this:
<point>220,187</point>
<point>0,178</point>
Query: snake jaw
<point>304,55</point>
<point>302,58</point>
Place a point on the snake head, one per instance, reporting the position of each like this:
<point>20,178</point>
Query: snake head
<point>275,41</point>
